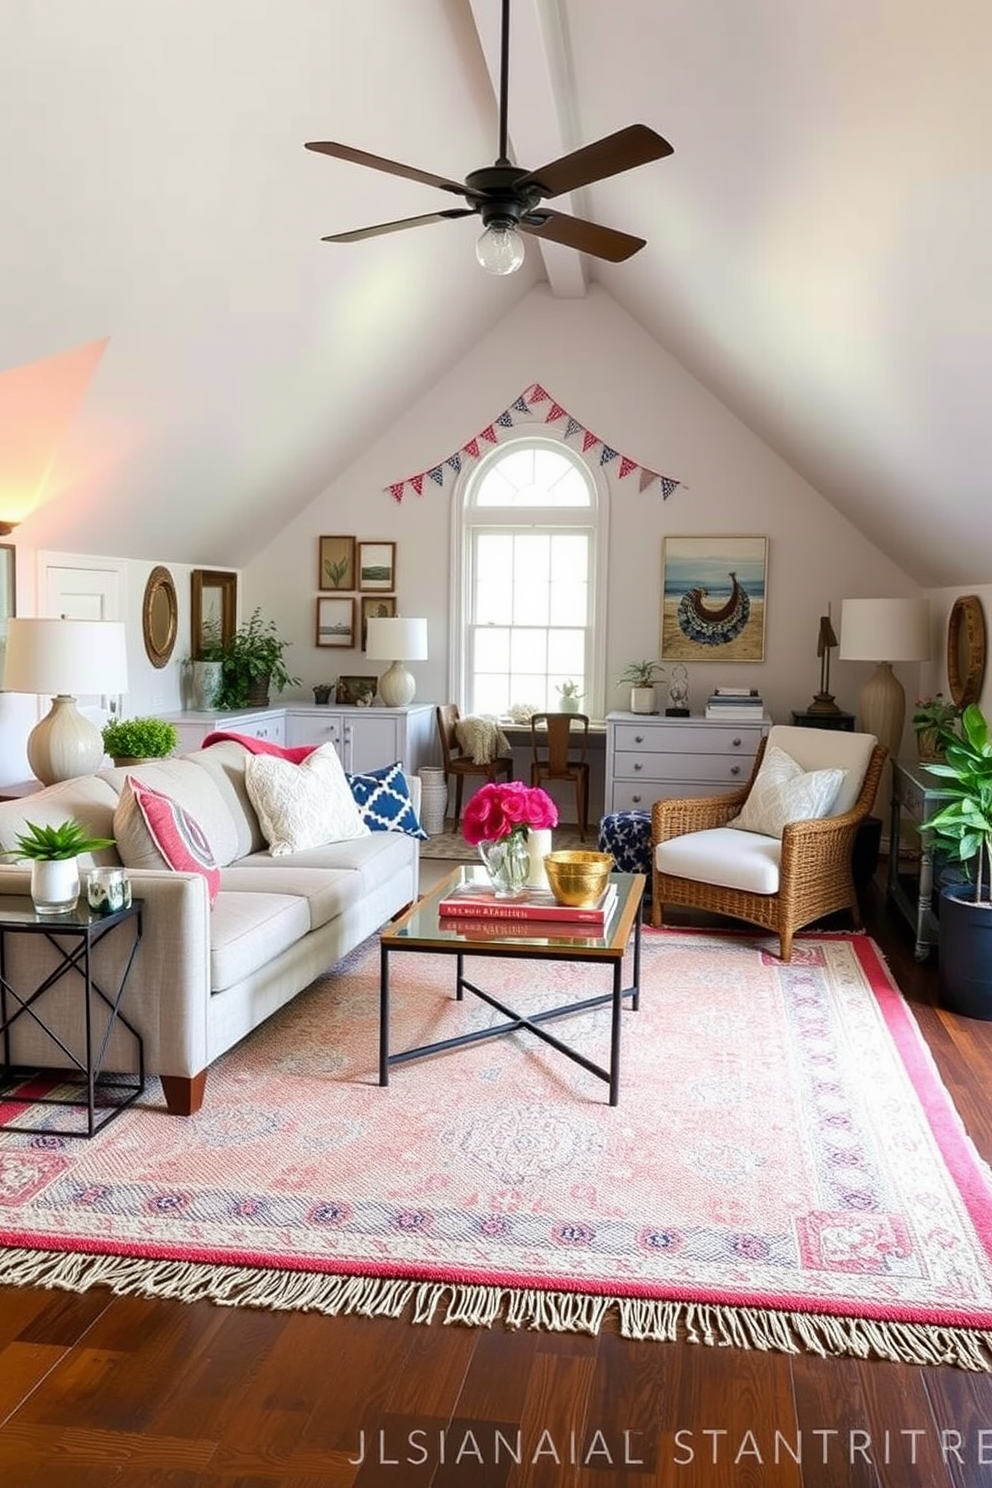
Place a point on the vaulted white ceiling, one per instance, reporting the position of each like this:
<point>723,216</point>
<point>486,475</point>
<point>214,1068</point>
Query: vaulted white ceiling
<point>183,364</point>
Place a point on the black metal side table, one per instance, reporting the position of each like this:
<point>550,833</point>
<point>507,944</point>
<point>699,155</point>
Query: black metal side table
<point>74,937</point>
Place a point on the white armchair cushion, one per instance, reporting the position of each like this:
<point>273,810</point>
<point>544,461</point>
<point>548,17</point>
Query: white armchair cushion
<point>724,856</point>
<point>784,792</point>
<point>822,749</point>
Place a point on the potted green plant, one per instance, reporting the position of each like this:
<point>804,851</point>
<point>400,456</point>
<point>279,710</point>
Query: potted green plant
<point>206,666</point>
<point>54,856</point>
<point>252,662</point>
<point>570,697</point>
<point>932,717</point>
<point>640,677</point>
<point>962,831</point>
<point>128,741</point>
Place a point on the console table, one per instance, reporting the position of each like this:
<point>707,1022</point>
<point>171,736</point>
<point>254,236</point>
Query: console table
<point>910,881</point>
<point>650,757</point>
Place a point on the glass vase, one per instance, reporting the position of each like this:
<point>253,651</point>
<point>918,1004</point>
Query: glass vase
<point>507,863</point>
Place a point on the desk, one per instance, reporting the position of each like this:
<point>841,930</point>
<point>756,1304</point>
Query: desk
<point>910,880</point>
<point>73,936</point>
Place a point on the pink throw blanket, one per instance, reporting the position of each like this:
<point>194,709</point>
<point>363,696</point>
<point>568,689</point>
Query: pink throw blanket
<point>294,754</point>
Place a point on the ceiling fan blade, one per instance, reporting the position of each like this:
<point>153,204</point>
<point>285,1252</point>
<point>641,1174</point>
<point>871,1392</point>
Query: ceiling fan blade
<point>387,227</point>
<point>575,232</point>
<point>378,162</point>
<point>635,145</point>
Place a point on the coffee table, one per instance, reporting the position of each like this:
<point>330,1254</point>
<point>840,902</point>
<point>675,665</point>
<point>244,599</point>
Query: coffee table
<point>422,929</point>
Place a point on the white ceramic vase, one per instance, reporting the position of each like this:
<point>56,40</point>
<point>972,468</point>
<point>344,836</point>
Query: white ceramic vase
<point>642,700</point>
<point>54,884</point>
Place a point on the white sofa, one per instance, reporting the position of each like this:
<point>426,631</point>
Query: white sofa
<point>204,977</point>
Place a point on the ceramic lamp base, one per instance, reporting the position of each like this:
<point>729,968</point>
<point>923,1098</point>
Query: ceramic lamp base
<point>396,686</point>
<point>64,743</point>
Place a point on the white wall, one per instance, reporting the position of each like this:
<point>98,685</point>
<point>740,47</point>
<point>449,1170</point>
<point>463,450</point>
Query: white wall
<point>597,363</point>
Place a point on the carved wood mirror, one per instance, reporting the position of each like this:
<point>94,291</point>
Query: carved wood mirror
<point>214,609</point>
<point>159,616</point>
<point>966,650</point>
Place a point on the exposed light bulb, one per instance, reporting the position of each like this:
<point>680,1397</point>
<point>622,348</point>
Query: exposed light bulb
<point>500,250</point>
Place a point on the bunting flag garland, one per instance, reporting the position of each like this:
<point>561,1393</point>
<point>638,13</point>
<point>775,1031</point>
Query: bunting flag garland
<point>522,409</point>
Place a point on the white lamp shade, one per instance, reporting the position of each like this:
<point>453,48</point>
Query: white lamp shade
<point>396,639</point>
<point>884,630</point>
<point>66,656</point>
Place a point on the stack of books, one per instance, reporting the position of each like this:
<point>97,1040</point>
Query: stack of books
<point>735,702</point>
<point>538,909</point>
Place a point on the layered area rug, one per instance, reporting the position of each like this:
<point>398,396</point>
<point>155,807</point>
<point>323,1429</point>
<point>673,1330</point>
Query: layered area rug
<point>784,1169</point>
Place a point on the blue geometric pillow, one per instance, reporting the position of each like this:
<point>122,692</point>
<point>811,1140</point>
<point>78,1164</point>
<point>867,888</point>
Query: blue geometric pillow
<point>383,801</point>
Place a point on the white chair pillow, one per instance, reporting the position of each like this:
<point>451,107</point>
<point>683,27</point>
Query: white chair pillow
<point>304,805</point>
<point>784,792</point>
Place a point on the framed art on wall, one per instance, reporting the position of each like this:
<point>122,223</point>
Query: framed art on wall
<point>382,607</point>
<point>356,691</point>
<point>335,622</point>
<point>713,598</point>
<point>337,563</point>
<point>377,565</point>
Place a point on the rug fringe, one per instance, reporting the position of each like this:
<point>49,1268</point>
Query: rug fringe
<point>482,1306</point>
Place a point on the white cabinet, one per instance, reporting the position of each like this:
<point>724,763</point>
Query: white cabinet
<point>365,738</point>
<point>650,757</point>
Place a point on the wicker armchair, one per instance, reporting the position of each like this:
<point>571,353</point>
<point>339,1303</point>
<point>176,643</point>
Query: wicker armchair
<point>803,877</point>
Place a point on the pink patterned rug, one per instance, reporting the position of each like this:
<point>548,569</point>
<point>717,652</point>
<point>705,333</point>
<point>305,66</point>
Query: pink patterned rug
<point>784,1168</point>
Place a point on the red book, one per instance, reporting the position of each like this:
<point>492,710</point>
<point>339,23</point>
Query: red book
<point>496,927</point>
<point>475,900</point>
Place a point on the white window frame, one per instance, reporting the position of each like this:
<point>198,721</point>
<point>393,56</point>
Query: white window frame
<point>466,518</point>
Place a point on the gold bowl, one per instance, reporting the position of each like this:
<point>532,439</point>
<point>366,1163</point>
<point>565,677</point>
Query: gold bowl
<point>578,878</point>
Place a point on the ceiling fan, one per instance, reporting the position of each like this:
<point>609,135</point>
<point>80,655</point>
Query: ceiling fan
<point>508,198</point>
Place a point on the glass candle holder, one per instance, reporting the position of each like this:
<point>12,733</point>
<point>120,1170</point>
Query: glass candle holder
<point>108,890</point>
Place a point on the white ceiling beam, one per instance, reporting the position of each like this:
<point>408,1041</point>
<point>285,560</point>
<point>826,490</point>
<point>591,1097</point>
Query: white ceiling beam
<point>539,111</point>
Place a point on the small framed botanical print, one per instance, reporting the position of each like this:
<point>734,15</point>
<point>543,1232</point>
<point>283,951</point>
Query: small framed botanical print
<point>377,565</point>
<point>336,563</point>
<point>335,622</point>
<point>378,607</point>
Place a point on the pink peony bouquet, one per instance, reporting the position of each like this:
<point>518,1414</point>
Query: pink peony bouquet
<point>497,810</point>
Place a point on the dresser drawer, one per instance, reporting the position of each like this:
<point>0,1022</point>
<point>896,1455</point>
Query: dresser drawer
<point>633,795</point>
<point>688,738</point>
<point>728,769</point>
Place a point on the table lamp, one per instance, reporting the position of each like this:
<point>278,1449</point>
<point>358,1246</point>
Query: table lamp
<point>397,640</point>
<point>884,631</point>
<point>63,658</point>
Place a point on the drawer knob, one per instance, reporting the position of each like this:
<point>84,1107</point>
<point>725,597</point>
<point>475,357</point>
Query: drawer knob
<point>635,799</point>
<point>737,743</point>
<point>638,738</point>
<point>638,765</point>
<point>735,769</point>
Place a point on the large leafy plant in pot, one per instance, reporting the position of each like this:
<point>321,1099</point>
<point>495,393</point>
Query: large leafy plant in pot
<point>252,663</point>
<point>962,830</point>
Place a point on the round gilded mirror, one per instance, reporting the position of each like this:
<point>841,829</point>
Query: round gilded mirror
<point>966,650</point>
<point>159,616</point>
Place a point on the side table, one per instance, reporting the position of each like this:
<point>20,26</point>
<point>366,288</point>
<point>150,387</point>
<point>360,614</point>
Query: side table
<point>910,887</point>
<point>74,937</point>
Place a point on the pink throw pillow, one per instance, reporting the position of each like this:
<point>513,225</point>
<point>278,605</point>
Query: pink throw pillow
<point>178,836</point>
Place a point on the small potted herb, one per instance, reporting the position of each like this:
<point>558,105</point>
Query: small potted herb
<point>640,677</point>
<point>54,856</point>
<point>129,741</point>
<point>570,696</point>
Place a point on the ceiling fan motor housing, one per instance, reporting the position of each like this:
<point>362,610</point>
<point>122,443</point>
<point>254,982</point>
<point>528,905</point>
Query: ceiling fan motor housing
<point>495,194</point>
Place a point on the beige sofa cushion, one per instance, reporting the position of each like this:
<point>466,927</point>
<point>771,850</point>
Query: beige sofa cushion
<point>249,930</point>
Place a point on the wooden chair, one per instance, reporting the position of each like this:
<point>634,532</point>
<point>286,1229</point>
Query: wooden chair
<point>458,764</point>
<point>551,745</point>
<point>781,885</point>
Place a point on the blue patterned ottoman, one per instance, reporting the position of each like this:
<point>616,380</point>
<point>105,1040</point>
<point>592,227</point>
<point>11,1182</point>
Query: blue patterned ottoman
<point>626,836</point>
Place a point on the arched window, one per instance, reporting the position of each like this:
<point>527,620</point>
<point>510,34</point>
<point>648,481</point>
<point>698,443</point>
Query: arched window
<point>527,603</point>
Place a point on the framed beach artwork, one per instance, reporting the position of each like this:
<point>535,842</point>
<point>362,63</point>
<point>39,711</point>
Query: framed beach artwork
<point>376,565</point>
<point>335,622</point>
<point>713,598</point>
<point>375,607</point>
<point>336,563</point>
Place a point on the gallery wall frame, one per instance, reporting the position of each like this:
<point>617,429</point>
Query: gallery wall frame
<point>377,566</point>
<point>335,622</point>
<point>336,563</point>
<point>375,607</point>
<point>713,595</point>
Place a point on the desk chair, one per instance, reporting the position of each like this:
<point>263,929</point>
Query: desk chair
<point>551,744</point>
<point>457,763</point>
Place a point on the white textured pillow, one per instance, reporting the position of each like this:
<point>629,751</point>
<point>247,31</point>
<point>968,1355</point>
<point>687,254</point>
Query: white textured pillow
<point>304,805</point>
<point>784,792</point>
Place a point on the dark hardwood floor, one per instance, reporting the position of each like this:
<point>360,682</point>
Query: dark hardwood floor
<point>104,1393</point>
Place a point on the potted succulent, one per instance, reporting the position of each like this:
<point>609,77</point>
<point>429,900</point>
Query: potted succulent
<point>569,697</point>
<point>962,829</point>
<point>54,856</point>
<point>129,741</point>
<point>640,677</point>
<point>253,662</point>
